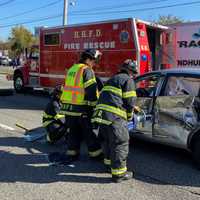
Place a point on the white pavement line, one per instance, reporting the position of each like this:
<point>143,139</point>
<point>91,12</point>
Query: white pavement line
<point>6,127</point>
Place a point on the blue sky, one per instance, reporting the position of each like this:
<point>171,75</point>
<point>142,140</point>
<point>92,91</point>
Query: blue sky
<point>102,7</point>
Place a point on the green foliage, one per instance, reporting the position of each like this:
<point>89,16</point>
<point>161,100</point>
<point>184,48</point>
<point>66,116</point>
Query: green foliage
<point>20,39</point>
<point>168,19</point>
<point>4,45</point>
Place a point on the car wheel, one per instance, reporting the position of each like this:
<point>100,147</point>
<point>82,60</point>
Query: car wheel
<point>18,83</point>
<point>196,151</point>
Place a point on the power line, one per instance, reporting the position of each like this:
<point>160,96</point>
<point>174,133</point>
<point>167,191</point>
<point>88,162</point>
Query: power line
<point>32,10</point>
<point>32,21</point>
<point>140,9</point>
<point>7,2</point>
<point>119,6</point>
<point>80,11</point>
<point>111,12</point>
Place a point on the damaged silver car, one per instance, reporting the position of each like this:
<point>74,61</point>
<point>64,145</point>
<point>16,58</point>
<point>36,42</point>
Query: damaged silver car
<point>170,109</point>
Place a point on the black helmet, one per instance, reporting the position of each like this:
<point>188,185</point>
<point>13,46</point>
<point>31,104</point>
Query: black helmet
<point>57,91</point>
<point>91,54</point>
<point>130,65</point>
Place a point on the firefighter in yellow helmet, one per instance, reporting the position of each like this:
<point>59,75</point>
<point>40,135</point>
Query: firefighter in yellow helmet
<point>78,99</point>
<point>115,106</point>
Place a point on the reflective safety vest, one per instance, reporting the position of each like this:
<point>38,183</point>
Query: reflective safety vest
<point>48,119</point>
<point>106,105</point>
<point>73,90</point>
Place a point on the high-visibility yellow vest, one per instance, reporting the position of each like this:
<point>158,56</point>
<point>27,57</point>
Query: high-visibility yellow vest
<point>48,119</point>
<point>73,90</point>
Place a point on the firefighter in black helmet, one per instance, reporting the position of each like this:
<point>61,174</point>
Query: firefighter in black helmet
<point>53,122</point>
<point>115,106</point>
<point>78,99</point>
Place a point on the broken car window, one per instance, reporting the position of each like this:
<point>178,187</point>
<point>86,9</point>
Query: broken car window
<point>146,87</point>
<point>177,86</point>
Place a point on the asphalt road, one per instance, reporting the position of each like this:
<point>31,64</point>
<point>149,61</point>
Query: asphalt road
<point>160,172</point>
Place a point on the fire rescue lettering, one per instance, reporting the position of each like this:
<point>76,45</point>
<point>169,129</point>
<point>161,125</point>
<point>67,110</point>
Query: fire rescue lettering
<point>99,45</point>
<point>90,45</point>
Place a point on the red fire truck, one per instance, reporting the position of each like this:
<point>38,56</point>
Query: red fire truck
<point>60,47</point>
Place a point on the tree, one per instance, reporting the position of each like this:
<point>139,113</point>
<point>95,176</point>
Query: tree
<point>4,45</point>
<point>168,19</point>
<point>21,39</point>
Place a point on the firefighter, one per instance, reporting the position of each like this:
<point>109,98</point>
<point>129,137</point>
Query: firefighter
<point>52,120</point>
<point>115,106</point>
<point>79,98</point>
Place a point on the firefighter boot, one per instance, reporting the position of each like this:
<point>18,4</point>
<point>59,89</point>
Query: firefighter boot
<point>124,177</point>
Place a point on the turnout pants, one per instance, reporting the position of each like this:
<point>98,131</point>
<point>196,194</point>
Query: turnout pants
<point>80,128</point>
<point>55,131</point>
<point>115,140</point>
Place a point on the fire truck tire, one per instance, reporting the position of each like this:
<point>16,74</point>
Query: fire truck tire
<point>18,83</point>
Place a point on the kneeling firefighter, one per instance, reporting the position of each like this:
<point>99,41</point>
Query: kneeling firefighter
<point>78,99</point>
<point>114,108</point>
<point>52,120</point>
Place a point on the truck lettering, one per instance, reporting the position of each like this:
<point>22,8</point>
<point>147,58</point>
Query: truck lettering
<point>182,44</point>
<point>90,45</point>
<point>87,34</point>
<point>96,46</point>
<point>99,45</point>
<point>72,46</point>
<point>76,34</point>
<point>90,33</point>
<point>193,44</point>
<point>188,62</point>
<point>98,33</point>
<point>189,44</point>
<point>83,34</point>
<point>85,45</point>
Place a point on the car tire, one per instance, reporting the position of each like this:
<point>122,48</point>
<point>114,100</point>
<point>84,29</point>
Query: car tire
<point>18,83</point>
<point>196,151</point>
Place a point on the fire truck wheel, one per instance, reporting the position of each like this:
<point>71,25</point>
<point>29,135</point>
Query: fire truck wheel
<point>18,83</point>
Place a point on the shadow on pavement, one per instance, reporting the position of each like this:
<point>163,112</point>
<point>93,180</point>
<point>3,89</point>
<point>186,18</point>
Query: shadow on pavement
<point>32,100</point>
<point>154,164</point>
<point>33,167</point>
<point>158,164</point>
<point>6,92</point>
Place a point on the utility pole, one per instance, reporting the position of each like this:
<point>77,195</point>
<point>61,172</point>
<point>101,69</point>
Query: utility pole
<point>65,13</point>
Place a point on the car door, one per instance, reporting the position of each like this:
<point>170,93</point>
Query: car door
<point>174,110</point>
<point>146,88</point>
